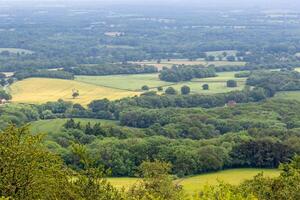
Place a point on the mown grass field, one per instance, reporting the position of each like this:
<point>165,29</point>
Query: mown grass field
<point>195,183</point>
<point>15,50</point>
<point>135,82</point>
<point>40,90</point>
<point>125,82</point>
<point>55,125</point>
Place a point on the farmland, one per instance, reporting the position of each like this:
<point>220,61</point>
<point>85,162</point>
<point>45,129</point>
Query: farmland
<point>40,90</point>
<point>135,82</point>
<point>195,183</point>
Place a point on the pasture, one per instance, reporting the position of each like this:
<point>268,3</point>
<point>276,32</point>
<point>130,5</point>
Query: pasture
<point>291,95</point>
<point>16,50</point>
<point>41,90</point>
<point>195,183</point>
<point>55,125</point>
<point>135,82</point>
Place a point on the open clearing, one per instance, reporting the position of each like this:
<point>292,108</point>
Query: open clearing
<point>195,183</point>
<point>15,50</point>
<point>135,82</point>
<point>55,125</point>
<point>41,90</point>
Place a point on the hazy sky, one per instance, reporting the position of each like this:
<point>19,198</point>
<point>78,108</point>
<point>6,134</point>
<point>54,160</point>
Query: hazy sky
<point>218,3</point>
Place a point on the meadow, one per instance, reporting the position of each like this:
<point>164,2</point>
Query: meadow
<point>195,183</point>
<point>135,82</point>
<point>41,90</point>
<point>291,95</point>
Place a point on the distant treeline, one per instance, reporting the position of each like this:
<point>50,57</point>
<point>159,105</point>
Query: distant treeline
<point>111,69</point>
<point>60,74</point>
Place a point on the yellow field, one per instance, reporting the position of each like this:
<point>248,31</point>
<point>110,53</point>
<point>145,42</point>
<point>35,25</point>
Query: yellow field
<point>195,183</point>
<point>41,90</point>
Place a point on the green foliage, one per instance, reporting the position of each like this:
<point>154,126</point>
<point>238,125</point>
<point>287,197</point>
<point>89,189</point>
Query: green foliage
<point>170,91</point>
<point>205,87</point>
<point>231,83</point>
<point>5,95</point>
<point>28,170</point>
<point>185,90</point>
<point>156,184</point>
<point>145,87</point>
<point>186,73</point>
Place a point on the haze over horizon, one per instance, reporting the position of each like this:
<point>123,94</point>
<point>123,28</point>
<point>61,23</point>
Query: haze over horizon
<point>265,4</point>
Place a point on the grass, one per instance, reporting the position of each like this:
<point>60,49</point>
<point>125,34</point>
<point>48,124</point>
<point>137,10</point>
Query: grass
<point>16,50</point>
<point>291,95</point>
<point>124,82</point>
<point>41,90</point>
<point>135,82</point>
<point>55,125</point>
<point>195,183</point>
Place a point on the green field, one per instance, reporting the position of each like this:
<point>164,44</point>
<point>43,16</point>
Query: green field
<point>15,50</point>
<point>41,90</point>
<point>195,183</point>
<point>293,95</point>
<point>124,82</point>
<point>55,125</point>
<point>135,82</point>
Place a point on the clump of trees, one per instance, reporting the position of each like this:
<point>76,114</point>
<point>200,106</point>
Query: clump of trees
<point>231,83</point>
<point>205,87</point>
<point>185,90</point>
<point>185,73</point>
<point>170,91</point>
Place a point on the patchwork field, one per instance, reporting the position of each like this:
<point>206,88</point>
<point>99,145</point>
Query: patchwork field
<point>55,125</point>
<point>40,90</point>
<point>135,82</point>
<point>195,183</point>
